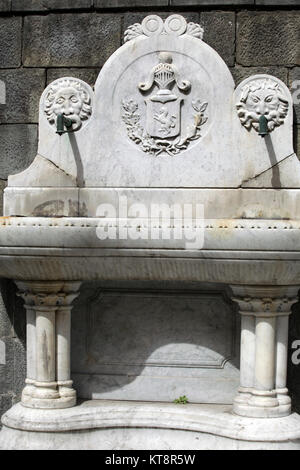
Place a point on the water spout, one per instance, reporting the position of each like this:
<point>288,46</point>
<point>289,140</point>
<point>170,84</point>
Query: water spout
<point>63,122</point>
<point>263,126</point>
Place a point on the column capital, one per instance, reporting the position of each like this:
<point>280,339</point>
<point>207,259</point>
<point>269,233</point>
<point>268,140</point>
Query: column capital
<point>265,301</point>
<point>47,294</point>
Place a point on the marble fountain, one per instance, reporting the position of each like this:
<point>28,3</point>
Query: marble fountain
<point>165,172</point>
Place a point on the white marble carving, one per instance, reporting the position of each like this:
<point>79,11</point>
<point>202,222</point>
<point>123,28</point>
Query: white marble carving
<point>120,425</point>
<point>264,349</point>
<point>163,94</point>
<point>211,149</point>
<point>164,132</point>
<point>153,25</point>
<point>48,308</point>
<point>68,96</point>
<point>262,97</point>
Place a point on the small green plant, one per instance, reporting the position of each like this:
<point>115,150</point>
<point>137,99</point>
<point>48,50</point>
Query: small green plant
<point>181,400</point>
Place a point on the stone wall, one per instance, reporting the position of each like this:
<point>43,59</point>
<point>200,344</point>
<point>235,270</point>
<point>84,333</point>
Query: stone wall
<point>41,40</point>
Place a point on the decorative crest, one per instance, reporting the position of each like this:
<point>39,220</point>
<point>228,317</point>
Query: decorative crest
<point>163,131</point>
<point>153,25</point>
<point>164,75</point>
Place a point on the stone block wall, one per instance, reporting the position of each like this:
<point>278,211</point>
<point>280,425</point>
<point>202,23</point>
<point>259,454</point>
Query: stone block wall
<point>41,40</point>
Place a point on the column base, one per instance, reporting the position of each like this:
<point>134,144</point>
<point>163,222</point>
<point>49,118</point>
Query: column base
<point>283,397</point>
<point>48,403</point>
<point>263,399</point>
<point>29,389</point>
<point>251,411</point>
<point>47,395</point>
<point>263,404</point>
<point>243,396</point>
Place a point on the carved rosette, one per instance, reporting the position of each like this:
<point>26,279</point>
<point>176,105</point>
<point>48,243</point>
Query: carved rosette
<point>68,96</point>
<point>262,96</point>
<point>153,25</point>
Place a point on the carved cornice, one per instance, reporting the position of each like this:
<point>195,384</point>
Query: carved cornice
<point>93,222</point>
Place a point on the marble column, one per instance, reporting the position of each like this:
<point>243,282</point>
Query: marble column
<point>281,361</point>
<point>247,354</point>
<point>264,344</point>
<point>48,306</point>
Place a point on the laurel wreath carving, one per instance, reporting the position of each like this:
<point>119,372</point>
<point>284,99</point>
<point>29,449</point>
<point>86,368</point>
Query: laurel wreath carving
<point>155,146</point>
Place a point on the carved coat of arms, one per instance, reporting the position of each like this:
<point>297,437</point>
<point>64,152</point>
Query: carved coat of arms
<point>163,131</point>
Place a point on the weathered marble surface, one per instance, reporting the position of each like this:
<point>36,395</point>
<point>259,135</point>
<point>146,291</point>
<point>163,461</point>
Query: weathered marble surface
<point>200,144</point>
<point>110,425</point>
<point>255,203</point>
<point>104,153</point>
<point>231,236</point>
<point>148,344</point>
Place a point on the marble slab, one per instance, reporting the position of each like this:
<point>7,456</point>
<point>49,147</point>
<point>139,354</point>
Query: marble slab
<point>241,203</point>
<point>165,114</point>
<point>154,345</point>
<point>114,425</point>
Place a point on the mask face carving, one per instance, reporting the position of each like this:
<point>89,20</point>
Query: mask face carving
<point>262,97</point>
<point>68,97</point>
